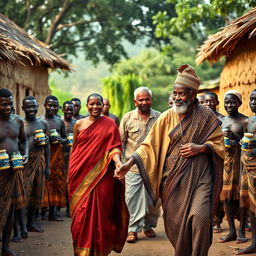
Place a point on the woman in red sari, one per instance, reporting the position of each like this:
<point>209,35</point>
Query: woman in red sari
<point>97,203</point>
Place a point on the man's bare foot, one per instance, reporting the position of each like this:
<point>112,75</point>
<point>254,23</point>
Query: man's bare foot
<point>248,250</point>
<point>24,235</point>
<point>227,238</point>
<point>16,238</point>
<point>54,218</point>
<point>241,240</point>
<point>248,228</point>
<point>9,252</point>
<point>34,228</point>
<point>217,228</point>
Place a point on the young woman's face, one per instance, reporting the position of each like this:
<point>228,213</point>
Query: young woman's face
<point>94,106</point>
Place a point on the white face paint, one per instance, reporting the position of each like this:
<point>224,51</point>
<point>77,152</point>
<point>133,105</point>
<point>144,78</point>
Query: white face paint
<point>180,107</point>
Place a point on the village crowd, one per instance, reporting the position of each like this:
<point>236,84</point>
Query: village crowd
<point>112,177</point>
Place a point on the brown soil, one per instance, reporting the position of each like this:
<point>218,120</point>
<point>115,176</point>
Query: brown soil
<point>56,241</point>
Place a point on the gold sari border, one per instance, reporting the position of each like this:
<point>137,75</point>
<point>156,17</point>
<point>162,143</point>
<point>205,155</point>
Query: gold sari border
<point>91,180</point>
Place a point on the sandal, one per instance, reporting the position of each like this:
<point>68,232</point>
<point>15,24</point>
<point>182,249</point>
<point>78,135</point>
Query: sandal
<point>150,233</point>
<point>132,237</point>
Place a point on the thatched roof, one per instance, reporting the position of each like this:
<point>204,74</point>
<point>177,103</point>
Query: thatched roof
<point>16,45</point>
<point>225,41</point>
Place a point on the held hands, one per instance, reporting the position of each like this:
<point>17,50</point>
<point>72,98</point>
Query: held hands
<point>118,164</point>
<point>121,171</point>
<point>190,149</point>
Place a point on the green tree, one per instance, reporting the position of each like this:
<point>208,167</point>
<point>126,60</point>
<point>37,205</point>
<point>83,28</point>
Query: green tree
<point>97,27</point>
<point>198,18</point>
<point>158,71</point>
<point>119,90</point>
<point>60,94</point>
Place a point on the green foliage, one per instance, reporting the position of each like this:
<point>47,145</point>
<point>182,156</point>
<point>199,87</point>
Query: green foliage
<point>158,71</point>
<point>60,94</point>
<point>97,28</point>
<point>197,18</point>
<point>119,90</point>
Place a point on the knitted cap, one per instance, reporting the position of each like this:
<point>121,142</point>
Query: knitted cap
<point>234,92</point>
<point>187,77</point>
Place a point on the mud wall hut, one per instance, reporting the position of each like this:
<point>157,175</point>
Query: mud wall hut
<point>25,63</point>
<point>237,43</point>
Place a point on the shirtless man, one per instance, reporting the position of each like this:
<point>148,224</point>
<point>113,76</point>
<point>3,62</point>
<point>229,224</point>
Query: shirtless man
<point>233,124</point>
<point>77,107</point>
<point>55,187</point>
<point>12,138</point>
<point>34,171</point>
<point>38,165</point>
<point>248,177</point>
<point>68,109</point>
<point>211,101</point>
<point>105,111</point>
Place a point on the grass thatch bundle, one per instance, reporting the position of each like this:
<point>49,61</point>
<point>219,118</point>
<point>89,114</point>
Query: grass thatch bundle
<point>225,41</point>
<point>16,45</point>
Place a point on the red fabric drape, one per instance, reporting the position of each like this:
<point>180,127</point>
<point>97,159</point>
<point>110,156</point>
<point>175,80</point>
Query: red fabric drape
<point>100,216</point>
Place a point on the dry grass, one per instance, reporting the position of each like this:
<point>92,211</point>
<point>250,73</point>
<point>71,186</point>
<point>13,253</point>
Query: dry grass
<point>17,46</point>
<point>226,40</point>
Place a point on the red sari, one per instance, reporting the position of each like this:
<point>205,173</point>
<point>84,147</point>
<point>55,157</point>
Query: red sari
<point>97,202</point>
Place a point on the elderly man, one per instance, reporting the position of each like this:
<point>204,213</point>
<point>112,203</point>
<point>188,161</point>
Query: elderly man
<point>181,160</point>
<point>134,127</point>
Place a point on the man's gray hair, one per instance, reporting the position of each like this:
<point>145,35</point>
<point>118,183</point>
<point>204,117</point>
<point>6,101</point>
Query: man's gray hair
<point>142,89</point>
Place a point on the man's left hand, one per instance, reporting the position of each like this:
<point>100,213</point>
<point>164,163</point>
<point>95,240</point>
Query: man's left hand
<point>190,149</point>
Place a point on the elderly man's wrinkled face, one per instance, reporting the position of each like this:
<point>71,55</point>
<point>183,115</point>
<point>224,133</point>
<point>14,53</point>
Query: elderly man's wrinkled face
<point>143,102</point>
<point>182,99</point>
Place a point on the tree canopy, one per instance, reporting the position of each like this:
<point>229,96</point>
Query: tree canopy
<point>198,18</point>
<point>158,72</point>
<point>96,27</point>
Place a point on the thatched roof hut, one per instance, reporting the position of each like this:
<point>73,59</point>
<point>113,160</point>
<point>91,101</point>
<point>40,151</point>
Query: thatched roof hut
<point>25,62</point>
<point>237,43</point>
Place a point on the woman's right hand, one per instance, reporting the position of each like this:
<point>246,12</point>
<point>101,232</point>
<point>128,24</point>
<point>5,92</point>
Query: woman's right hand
<point>121,171</point>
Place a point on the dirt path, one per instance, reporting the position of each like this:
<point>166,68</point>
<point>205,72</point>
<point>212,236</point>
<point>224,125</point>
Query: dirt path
<point>56,241</point>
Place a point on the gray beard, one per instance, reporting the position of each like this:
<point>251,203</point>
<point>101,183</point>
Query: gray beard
<point>181,109</point>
